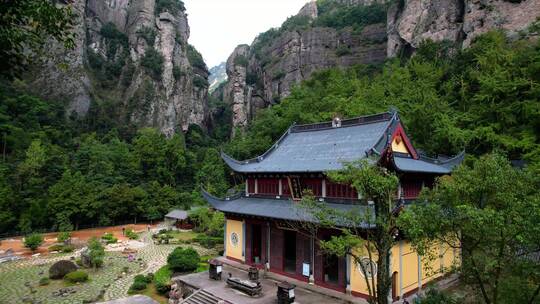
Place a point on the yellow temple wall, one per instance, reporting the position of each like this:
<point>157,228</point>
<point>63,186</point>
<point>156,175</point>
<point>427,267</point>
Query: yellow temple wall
<point>405,263</point>
<point>234,250</point>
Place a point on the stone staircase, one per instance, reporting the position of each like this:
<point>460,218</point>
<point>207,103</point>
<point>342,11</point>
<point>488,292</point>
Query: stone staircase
<point>202,296</point>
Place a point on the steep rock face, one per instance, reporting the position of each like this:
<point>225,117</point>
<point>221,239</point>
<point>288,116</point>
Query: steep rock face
<point>260,76</point>
<point>458,21</point>
<point>134,57</point>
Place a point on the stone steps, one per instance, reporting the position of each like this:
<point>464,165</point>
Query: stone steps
<point>202,297</point>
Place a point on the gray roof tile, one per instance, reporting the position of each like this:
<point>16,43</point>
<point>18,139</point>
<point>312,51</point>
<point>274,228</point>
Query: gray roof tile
<point>274,208</point>
<point>319,147</point>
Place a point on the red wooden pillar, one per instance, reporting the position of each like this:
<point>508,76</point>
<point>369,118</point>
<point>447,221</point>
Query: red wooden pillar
<point>249,238</point>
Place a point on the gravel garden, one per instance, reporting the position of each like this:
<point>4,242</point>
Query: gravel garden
<point>26,281</point>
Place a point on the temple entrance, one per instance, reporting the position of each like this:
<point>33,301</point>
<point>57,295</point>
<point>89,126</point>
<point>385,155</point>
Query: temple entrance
<point>289,251</point>
<point>256,244</point>
<point>331,269</point>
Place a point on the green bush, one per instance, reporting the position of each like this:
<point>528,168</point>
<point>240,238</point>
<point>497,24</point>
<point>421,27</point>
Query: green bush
<point>61,248</point>
<point>195,58</point>
<point>132,235</point>
<point>109,238</point>
<point>183,260</point>
<point>343,50</point>
<point>162,279</point>
<point>63,236</point>
<point>199,81</point>
<point>148,33</point>
<point>56,247</point>
<point>335,15</point>
<point>44,281</point>
<point>33,241</point>
<point>140,282</point>
<point>152,61</point>
<point>296,23</point>
<point>77,276</point>
<point>241,60</point>
<point>96,252</point>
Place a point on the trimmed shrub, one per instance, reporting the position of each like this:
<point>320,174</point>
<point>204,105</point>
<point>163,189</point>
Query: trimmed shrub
<point>183,260</point>
<point>131,234</point>
<point>44,281</point>
<point>162,280</point>
<point>61,248</point>
<point>140,282</point>
<point>59,269</point>
<point>63,236</point>
<point>33,241</point>
<point>78,276</point>
<point>56,247</point>
<point>96,253</point>
<point>109,238</point>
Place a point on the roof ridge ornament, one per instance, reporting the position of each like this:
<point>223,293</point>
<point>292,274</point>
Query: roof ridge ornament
<point>336,122</point>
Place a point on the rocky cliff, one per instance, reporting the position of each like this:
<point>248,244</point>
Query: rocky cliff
<point>133,57</point>
<point>342,33</point>
<point>412,21</point>
<point>263,73</point>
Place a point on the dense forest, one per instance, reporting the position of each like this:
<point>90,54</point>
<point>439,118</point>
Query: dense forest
<point>61,172</point>
<point>56,174</point>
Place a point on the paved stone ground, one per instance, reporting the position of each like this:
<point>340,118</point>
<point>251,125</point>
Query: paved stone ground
<point>14,275</point>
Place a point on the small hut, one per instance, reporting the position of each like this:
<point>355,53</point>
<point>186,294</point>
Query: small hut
<point>179,219</point>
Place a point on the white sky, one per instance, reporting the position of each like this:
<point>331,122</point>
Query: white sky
<point>218,26</point>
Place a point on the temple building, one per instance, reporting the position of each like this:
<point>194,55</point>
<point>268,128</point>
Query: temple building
<point>257,232</point>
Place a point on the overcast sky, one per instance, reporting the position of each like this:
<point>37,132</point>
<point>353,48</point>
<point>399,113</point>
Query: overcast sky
<point>218,26</point>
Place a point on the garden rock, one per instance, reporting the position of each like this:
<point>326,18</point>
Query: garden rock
<point>59,269</point>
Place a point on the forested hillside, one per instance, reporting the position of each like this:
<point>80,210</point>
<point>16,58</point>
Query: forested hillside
<point>58,174</point>
<point>483,98</point>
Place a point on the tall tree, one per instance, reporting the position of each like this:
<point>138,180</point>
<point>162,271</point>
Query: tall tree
<point>368,231</point>
<point>490,211</point>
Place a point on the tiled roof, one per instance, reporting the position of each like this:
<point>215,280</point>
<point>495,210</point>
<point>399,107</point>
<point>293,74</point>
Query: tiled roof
<point>177,214</point>
<point>427,165</point>
<point>321,147</point>
<point>276,208</point>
